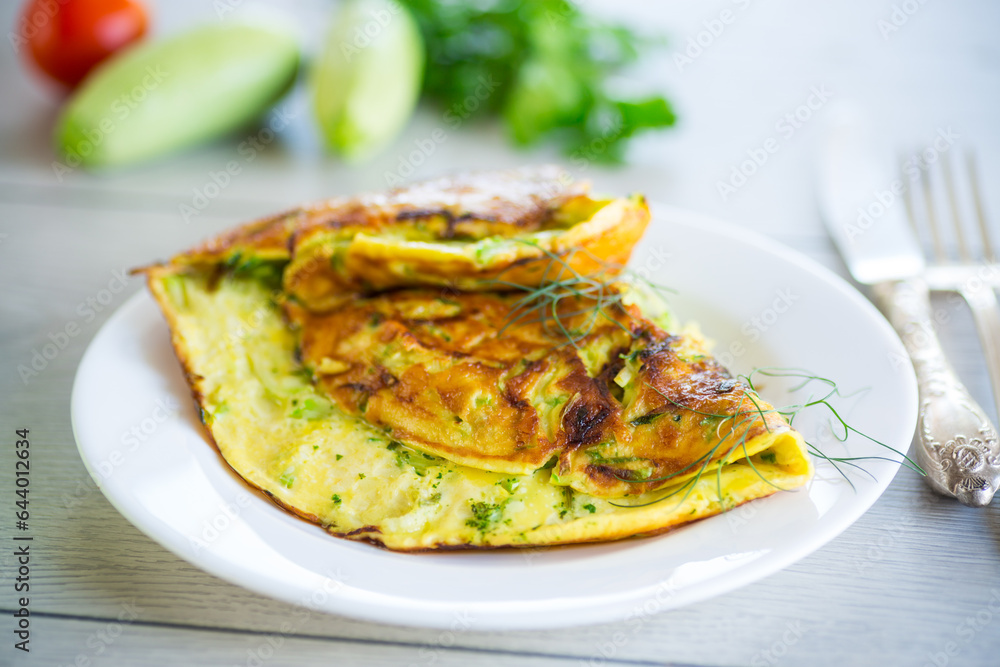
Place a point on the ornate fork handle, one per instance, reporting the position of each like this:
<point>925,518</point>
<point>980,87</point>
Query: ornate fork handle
<point>958,446</point>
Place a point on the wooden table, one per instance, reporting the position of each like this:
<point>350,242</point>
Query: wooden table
<point>916,581</point>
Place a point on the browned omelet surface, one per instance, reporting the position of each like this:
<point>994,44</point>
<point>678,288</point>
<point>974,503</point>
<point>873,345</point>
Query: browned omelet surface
<point>469,205</point>
<point>465,231</point>
<point>420,369</point>
<point>476,379</point>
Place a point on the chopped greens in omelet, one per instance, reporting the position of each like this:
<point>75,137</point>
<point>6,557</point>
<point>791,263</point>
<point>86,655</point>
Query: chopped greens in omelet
<point>357,481</point>
<point>628,408</point>
<point>450,365</point>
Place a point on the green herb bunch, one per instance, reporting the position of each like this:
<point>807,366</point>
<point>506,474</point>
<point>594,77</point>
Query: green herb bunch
<point>544,65</point>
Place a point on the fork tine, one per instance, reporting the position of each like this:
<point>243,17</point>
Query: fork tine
<point>925,180</point>
<point>988,251</point>
<point>911,215</point>
<point>956,218</point>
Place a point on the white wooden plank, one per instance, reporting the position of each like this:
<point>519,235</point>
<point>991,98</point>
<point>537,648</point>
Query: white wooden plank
<point>899,587</point>
<point>91,560</point>
<point>127,641</point>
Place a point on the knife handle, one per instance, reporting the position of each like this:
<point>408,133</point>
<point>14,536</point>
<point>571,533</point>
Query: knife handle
<point>986,314</point>
<point>957,445</point>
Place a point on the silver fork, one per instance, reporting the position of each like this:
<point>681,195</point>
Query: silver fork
<point>976,274</point>
<point>973,455</point>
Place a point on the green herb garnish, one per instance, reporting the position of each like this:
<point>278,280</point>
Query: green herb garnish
<point>312,409</point>
<point>645,419</point>
<point>484,515</point>
<point>750,410</point>
<point>510,485</point>
<point>543,65</point>
<point>555,303</point>
<point>268,272</point>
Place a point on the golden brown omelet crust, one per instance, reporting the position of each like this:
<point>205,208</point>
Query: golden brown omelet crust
<point>433,367</point>
<point>453,387</point>
<point>426,234</point>
<point>626,410</point>
<point>467,205</point>
<point>326,267</point>
<point>509,202</point>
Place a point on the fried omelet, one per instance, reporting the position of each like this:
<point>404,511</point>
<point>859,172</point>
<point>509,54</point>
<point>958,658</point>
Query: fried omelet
<point>464,231</point>
<point>429,417</point>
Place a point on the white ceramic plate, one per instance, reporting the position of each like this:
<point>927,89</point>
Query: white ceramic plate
<point>762,303</point>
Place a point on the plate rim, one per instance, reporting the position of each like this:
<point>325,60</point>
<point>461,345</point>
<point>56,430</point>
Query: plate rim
<point>513,615</point>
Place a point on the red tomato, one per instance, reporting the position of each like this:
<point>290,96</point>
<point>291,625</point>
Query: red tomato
<point>68,38</point>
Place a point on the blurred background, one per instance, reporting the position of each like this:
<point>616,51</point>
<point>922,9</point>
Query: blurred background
<point>735,73</point>
<point>727,101</point>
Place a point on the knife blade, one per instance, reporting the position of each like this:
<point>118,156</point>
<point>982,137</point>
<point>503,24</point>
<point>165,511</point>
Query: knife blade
<point>863,203</point>
<point>865,214</point>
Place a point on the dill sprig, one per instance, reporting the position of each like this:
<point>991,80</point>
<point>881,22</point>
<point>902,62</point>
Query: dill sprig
<point>561,285</point>
<point>744,415</point>
<point>822,400</point>
<point>594,296</point>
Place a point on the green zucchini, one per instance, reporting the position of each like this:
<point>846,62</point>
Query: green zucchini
<point>157,98</point>
<point>366,81</point>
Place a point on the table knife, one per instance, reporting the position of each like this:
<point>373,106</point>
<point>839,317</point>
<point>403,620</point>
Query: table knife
<point>862,204</point>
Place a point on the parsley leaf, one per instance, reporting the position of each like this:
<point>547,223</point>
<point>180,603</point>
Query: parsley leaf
<point>544,66</point>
